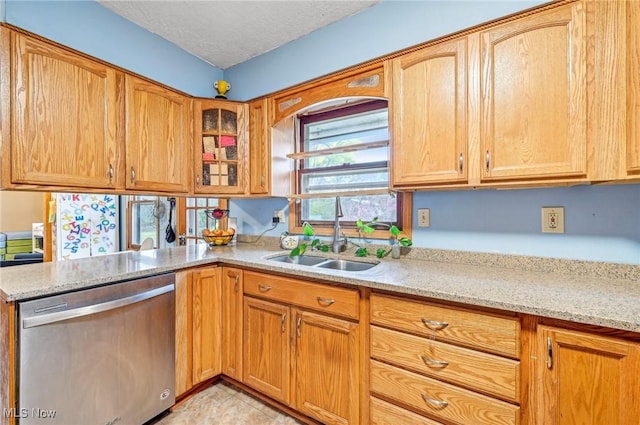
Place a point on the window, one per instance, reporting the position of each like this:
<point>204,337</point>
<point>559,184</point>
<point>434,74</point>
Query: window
<point>147,217</point>
<point>196,220</point>
<point>345,152</point>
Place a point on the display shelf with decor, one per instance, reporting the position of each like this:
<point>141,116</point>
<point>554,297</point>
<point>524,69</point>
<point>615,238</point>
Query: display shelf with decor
<point>221,132</point>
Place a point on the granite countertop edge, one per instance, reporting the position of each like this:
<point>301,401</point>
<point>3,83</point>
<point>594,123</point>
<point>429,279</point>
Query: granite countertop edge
<point>595,300</point>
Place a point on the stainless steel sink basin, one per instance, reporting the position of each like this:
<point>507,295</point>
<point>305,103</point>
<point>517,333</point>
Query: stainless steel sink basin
<point>326,263</point>
<point>346,265</point>
<point>305,260</point>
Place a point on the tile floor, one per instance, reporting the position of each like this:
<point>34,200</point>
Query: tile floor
<point>224,404</point>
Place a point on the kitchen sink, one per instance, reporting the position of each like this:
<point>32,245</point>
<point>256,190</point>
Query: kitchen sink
<point>346,265</point>
<point>325,263</point>
<point>304,260</point>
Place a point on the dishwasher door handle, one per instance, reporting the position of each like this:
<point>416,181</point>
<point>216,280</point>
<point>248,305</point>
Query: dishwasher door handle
<point>59,316</point>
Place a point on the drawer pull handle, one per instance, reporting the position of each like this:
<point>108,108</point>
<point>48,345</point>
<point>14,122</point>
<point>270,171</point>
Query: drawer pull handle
<point>432,362</point>
<point>298,324</point>
<point>325,302</point>
<point>264,288</point>
<point>434,323</point>
<point>437,403</point>
<point>283,322</point>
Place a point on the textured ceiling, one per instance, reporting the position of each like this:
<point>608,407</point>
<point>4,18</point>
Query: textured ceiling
<point>225,33</point>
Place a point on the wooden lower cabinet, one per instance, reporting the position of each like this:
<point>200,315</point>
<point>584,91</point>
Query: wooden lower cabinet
<point>299,355</point>
<point>198,327</point>
<point>267,358</point>
<point>232,284</point>
<point>327,368</point>
<point>434,362</point>
<point>587,379</point>
<point>206,323</point>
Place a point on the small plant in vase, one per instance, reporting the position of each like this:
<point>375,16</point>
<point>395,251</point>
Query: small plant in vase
<point>399,240</point>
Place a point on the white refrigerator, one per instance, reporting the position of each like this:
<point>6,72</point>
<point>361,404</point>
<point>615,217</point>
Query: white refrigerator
<point>85,225</point>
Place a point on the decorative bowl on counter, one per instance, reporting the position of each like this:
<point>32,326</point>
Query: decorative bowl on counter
<point>218,237</point>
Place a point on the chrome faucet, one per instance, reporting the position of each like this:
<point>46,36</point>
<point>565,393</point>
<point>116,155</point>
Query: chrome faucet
<point>338,245</point>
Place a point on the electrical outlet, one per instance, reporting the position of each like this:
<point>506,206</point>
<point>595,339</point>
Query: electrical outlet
<point>424,217</point>
<point>279,214</point>
<point>552,219</point>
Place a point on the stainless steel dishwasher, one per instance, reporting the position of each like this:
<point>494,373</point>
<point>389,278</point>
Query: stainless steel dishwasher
<point>101,356</point>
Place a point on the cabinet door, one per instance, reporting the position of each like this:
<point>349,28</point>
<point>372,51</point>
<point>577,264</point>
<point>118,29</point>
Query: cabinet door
<point>158,137</point>
<point>260,153</point>
<point>220,161</point>
<point>587,379</point>
<point>633,79</point>
<point>266,348</point>
<point>206,317</point>
<point>232,323</point>
<point>533,105</point>
<point>327,368</point>
<point>429,115</point>
<point>65,118</point>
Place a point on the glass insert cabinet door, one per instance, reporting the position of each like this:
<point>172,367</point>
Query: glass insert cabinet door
<point>221,129</point>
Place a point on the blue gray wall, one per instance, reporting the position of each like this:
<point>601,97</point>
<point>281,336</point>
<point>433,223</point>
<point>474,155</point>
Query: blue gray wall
<point>602,222</point>
<point>387,27</point>
<point>90,28</point>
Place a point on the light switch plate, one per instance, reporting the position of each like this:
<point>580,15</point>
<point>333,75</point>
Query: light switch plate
<point>424,217</point>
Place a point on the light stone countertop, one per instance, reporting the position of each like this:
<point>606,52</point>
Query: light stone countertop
<point>582,292</point>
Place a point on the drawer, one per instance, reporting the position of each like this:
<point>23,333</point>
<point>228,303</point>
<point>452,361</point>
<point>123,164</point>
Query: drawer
<point>440,400</point>
<point>482,372</point>
<point>383,413</point>
<point>484,331</point>
<point>315,296</point>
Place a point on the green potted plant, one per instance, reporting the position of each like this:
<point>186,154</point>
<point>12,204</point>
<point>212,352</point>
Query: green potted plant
<point>399,240</point>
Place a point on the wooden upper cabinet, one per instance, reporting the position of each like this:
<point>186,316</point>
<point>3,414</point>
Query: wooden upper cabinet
<point>587,379</point>
<point>533,97</point>
<point>259,147</point>
<point>429,115</point>
<point>158,138</point>
<point>633,87</point>
<point>65,112</point>
<point>220,146</point>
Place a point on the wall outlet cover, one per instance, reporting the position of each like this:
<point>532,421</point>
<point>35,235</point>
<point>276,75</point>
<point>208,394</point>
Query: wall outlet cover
<point>552,220</point>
